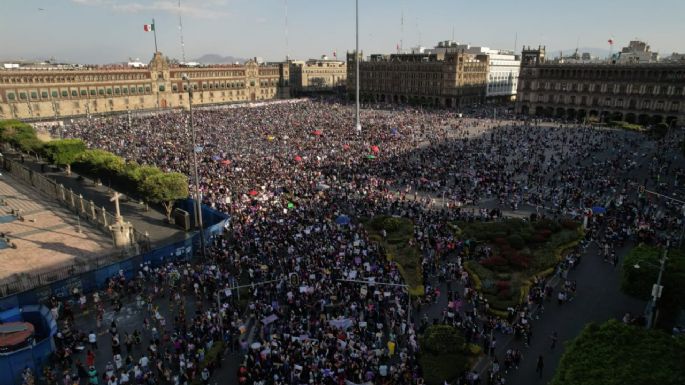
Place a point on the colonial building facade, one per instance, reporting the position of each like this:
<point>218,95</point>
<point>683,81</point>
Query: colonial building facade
<point>317,75</point>
<point>53,94</point>
<point>450,80</point>
<point>637,93</point>
<point>503,68</point>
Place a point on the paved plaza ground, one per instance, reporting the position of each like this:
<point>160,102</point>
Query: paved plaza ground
<point>48,237</point>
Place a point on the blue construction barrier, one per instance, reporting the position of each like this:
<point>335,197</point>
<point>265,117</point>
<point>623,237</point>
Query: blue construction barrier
<point>87,282</point>
<point>34,356</point>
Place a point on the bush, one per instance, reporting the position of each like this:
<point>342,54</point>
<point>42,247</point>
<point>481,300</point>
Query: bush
<point>521,261</point>
<point>495,260</point>
<point>212,357</point>
<point>503,286</point>
<point>569,224</point>
<point>516,241</point>
<point>441,339</point>
<point>618,354</point>
<point>396,247</point>
<point>99,163</point>
<point>517,266</point>
<point>64,152</point>
<point>444,355</point>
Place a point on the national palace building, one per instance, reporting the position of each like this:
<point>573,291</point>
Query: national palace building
<point>627,88</point>
<point>54,93</point>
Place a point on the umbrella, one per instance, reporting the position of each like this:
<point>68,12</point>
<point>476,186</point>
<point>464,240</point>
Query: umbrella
<point>216,157</point>
<point>375,149</point>
<point>342,220</point>
<point>291,205</point>
<point>298,158</point>
<point>253,193</point>
<point>346,146</point>
<point>599,210</point>
<point>270,138</point>
<point>226,161</point>
<point>317,132</point>
<point>370,157</point>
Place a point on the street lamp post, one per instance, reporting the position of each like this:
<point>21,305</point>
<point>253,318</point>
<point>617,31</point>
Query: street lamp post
<point>356,61</point>
<point>652,312</point>
<point>198,197</point>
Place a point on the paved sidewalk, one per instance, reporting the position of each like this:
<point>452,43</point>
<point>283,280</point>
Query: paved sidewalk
<point>151,221</point>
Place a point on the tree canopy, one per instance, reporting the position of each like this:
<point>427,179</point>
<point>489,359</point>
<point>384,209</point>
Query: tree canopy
<point>444,354</point>
<point>617,354</point>
<point>20,135</point>
<point>637,282</point>
<point>64,151</point>
<point>165,188</point>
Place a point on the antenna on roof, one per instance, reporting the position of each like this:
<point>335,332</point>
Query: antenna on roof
<point>287,49</point>
<point>180,30</point>
<point>516,41</point>
<point>402,30</point>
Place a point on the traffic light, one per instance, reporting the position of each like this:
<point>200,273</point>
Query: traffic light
<point>641,189</point>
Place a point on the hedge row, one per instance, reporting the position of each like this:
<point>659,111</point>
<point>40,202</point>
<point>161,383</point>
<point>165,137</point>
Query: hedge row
<point>97,164</point>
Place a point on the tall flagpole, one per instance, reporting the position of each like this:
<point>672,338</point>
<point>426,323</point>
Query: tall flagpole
<point>356,52</point>
<point>180,29</point>
<point>154,31</point>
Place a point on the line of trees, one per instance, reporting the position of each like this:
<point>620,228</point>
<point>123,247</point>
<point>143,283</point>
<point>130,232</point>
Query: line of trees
<point>147,181</point>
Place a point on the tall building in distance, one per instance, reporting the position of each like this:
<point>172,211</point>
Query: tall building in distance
<point>45,93</point>
<point>447,79</point>
<point>503,68</point>
<point>317,75</point>
<point>635,91</point>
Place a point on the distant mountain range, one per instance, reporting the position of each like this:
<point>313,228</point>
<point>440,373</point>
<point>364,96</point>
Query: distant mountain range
<point>212,58</point>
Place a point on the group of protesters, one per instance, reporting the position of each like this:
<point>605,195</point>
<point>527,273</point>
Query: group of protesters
<point>285,173</point>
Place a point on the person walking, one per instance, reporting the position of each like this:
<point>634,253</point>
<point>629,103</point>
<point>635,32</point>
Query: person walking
<point>539,366</point>
<point>554,337</point>
<point>93,340</point>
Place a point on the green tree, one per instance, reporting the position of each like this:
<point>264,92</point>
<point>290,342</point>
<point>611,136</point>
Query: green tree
<point>165,188</point>
<point>139,174</point>
<point>64,152</point>
<point>618,354</point>
<point>444,355</point>
<point>637,282</point>
<point>20,135</point>
<point>100,162</point>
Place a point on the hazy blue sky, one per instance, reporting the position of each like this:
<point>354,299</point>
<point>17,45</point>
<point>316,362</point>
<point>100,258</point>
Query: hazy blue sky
<point>104,31</point>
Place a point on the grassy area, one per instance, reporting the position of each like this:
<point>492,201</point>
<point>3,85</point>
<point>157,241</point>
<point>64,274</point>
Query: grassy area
<point>521,250</point>
<point>444,355</point>
<point>395,245</point>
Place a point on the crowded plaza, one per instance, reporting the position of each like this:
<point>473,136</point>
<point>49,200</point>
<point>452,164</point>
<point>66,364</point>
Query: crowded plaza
<point>297,181</point>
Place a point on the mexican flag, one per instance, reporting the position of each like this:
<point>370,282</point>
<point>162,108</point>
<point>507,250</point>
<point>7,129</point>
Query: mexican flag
<point>148,27</point>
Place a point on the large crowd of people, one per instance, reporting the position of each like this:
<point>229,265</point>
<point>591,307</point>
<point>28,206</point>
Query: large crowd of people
<point>285,172</point>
